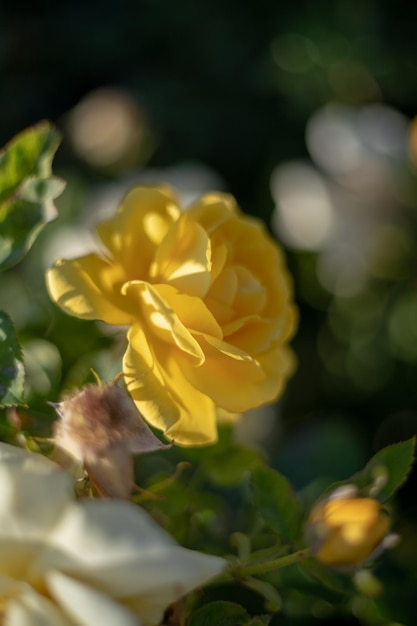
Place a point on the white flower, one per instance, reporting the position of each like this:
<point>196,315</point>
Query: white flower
<point>68,563</point>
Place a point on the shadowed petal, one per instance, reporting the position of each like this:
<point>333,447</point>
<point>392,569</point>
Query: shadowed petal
<point>183,259</point>
<point>85,605</point>
<point>158,382</point>
<point>89,287</point>
<point>144,217</point>
<point>29,608</point>
<point>33,493</point>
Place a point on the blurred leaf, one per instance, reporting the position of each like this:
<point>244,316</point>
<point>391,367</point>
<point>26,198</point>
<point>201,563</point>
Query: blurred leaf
<point>221,613</point>
<point>223,443</point>
<point>392,464</point>
<point>273,601</point>
<point>178,507</point>
<point>228,466</point>
<point>12,372</point>
<point>385,472</point>
<point>27,190</point>
<point>260,620</point>
<point>43,367</point>
<point>329,578</point>
<point>277,503</point>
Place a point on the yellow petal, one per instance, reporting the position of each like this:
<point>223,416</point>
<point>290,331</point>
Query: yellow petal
<point>191,311</point>
<point>144,217</point>
<point>183,258</point>
<point>252,334</point>
<point>158,384</point>
<point>236,381</point>
<point>254,248</point>
<point>232,378</point>
<point>87,287</point>
<point>279,364</point>
<point>250,294</point>
<point>161,320</point>
<point>347,530</point>
<point>213,210</point>
<point>145,382</point>
<point>224,289</point>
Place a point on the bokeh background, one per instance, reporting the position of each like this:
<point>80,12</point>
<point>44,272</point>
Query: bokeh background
<point>304,112</point>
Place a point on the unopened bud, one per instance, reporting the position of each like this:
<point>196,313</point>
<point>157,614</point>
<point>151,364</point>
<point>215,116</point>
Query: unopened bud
<point>345,530</point>
<point>100,427</point>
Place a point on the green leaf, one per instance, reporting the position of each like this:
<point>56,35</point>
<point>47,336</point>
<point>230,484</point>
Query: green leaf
<point>260,620</point>
<point>220,613</point>
<point>12,372</point>
<point>43,367</point>
<point>337,582</point>
<point>277,503</point>
<point>385,472</point>
<point>27,190</point>
<point>273,600</point>
<point>228,467</point>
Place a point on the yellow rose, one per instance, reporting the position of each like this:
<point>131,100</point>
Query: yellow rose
<point>208,301</point>
<point>345,530</point>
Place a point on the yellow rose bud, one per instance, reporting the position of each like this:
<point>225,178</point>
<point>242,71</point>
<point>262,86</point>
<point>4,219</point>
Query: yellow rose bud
<point>207,298</point>
<point>344,530</point>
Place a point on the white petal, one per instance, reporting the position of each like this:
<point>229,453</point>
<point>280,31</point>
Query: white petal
<point>166,579</point>
<point>33,493</point>
<point>87,606</point>
<point>118,547</point>
<point>29,608</point>
<point>16,556</point>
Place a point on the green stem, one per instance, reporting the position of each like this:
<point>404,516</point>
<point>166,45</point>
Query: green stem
<point>274,564</point>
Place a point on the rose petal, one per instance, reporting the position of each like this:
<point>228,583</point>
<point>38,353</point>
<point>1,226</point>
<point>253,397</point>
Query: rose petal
<point>233,379</point>
<point>17,555</point>
<point>145,382</point>
<point>179,573</point>
<point>223,291</point>
<point>250,294</point>
<point>144,217</point>
<point>33,493</point>
<point>29,608</point>
<point>162,320</point>
<point>86,606</point>
<point>183,258</point>
<point>254,334</point>
<point>279,364</point>
<point>191,311</point>
<point>163,394</point>
<point>115,546</point>
<point>213,210</point>
<point>89,287</point>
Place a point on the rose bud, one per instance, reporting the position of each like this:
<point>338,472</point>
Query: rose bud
<point>346,529</point>
<point>100,427</point>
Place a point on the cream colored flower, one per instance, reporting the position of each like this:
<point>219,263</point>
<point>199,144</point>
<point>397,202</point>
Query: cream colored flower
<point>67,563</point>
<point>209,304</point>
